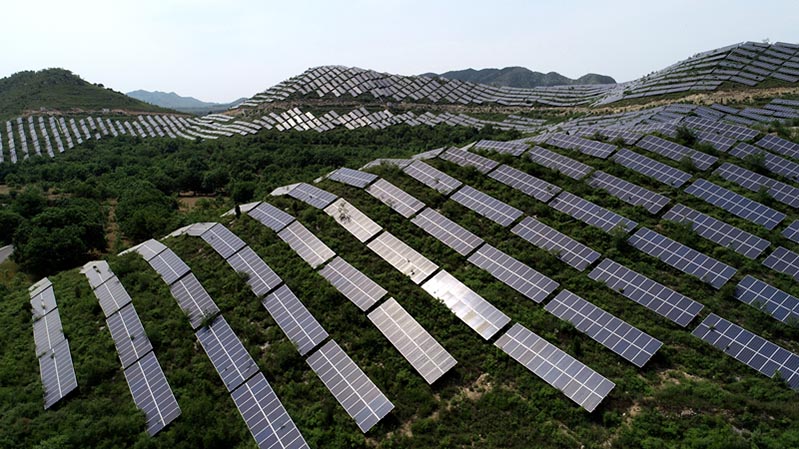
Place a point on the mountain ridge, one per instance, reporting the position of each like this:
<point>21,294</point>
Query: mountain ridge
<point>520,77</point>
<point>180,103</point>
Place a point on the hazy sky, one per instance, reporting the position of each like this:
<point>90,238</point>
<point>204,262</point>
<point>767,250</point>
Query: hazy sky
<point>222,50</point>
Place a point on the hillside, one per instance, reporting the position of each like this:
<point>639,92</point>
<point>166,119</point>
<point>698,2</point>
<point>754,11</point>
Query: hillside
<point>174,101</point>
<point>520,77</point>
<point>60,89</point>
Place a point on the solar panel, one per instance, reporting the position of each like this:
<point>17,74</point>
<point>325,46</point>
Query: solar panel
<point>395,198</point>
<point>779,145</point>
<point>222,240</point>
<point>683,258</point>
<point>112,296</point>
<point>150,249</point>
<point>512,148</point>
<point>735,204</point>
<point>649,167</point>
<point>429,176</point>
<point>359,396</point>
<point>577,381</point>
<point>617,335</point>
<point>193,300</point>
<point>151,393</point>
<point>311,195</point>
<point>513,273</point>
<point>792,231</point>
<point>527,184</point>
<point>419,348</point>
<point>780,191</point>
<point>560,245</point>
<point>676,152</point>
<point>352,283</point>
<point>353,220</point>
<point>43,302</point>
<point>719,232</point>
<point>646,292</point>
<point>717,141</point>
<point>447,231</point>
<point>734,131</point>
<point>260,277</point>
<point>464,158</point>
<point>559,163</point>
<point>402,257</point>
<point>97,272</point>
<point>47,332</point>
<point>233,363</point>
<point>771,162</point>
<point>128,334</point>
<point>169,266</point>
<point>777,303</point>
<point>265,416</point>
<point>750,349</point>
<point>294,319</point>
<point>270,216</point>
<point>487,206</point>
<point>40,286</point>
<point>628,192</point>
<point>480,315</point>
<point>590,213</point>
<point>57,373</point>
<point>784,261</point>
<point>305,244</point>
<point>594,148</point>
<point>355,178</point>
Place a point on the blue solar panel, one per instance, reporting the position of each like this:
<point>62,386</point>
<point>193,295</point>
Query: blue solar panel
<point>591,214</point>
<point>560,245</point>
<point>784,261</point>
<point>777,303</point>
<point>735,204</point>
<point>649,167</point>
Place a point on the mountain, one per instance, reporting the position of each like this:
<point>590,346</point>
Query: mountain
<point>520,77</point>
<point>172,100</point>
<point>60,89</point>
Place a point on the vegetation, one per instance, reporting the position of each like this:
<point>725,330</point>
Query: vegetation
<point>521,77</point>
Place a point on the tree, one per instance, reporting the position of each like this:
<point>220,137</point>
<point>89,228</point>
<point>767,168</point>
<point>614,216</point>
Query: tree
<point>144,211</point>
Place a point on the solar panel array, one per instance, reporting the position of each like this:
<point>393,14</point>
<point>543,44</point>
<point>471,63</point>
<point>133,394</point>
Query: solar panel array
<point>128,334</point>
<point>649,167</point>
<point>151,393</point>
<point>734,131</point>
<point>683,258</point>
<point>112,296</point>
<point>352,283</point>
<point>513,273</point>
<point>719,232</point>
<point>395,198</point>
<point>792,231</point>
<point>447,231</point>
<point>52,347</point>
<point>735,204</point>
<point>233,363</point>
<point>432,177</point>
<point>311,195</point>
<point>774,164</point>
<point>676,152</point>
<point>419,348</point>
<point>525,183</point>
<point>405,259</point>
<point>305,244</point>
<point>590,213</point>
<point>784,261</point>
<point>750,349</point>
<point>222,240</point>
<point>512,148</point>
<point>487,206</point>
<point>270,216</point>
<point>260,276</point>
<point>779,145</point>
<point>192,298</point>
<point>628,192</point>
<point>646,292</point>
<point>755,182</point>
<point>467,159</point>
<point>355,178</point>
<point>353,220</point>
<point>559,163</point>
<point>594,148</point>
<point>560,245</point>
<point>578,382</point>
<point>777,303</point>
<point>294,319</point>
<point>359,396</point>
<point>625,340</point>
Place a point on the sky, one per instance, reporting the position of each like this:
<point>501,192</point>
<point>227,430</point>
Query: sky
<point>223,50</point>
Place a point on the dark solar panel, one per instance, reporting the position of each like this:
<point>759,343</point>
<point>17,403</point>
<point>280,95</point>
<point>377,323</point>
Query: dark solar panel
<point>590,213</point>
<point>152,393</point>
<point>560,245</point>
<point>784,261</point>
<point>750,349</point>
<point>359,396</point>
<point>735,204</point>
<point>651,168</point>
<point>431,177</point>
<point>312,195</point>
<point>559,163</point>
<point>512,148</point>
<point>779,145</point>
<point>525,183</point>
<point>676,152</point>
<point>771,162</point>
<point>590,147</point>
<point>355,178</point>
<point>352,283</point>
<point>193,300</point>
<point>447,231</point>
<point>395,198</point>
<point>577,381</point>
<point>718,231</point>
<point>112,296</point>
<point>169,266</point>
<point>628,192</point>
<point>260,277</point>
<point>222,240</point>
<point>777,303</point>
<point>792,231</point>
<point>270,216</point>
<point>57,373</point>
<point>755,182</point>
<point>467,159</point>
<point>128,334</point>
<point>683,258</point>
<point>487,206</point>
<point>646,292</point>
<point>513,273</point>
<point>294,319</point>
<point>305,244</point>
<point>615,334</point>
<point>233,363</point>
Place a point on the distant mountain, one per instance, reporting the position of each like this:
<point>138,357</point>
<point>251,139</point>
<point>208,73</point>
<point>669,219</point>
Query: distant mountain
<point>172,100</point>
<point>521,77</point>
<point>62,90</point>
